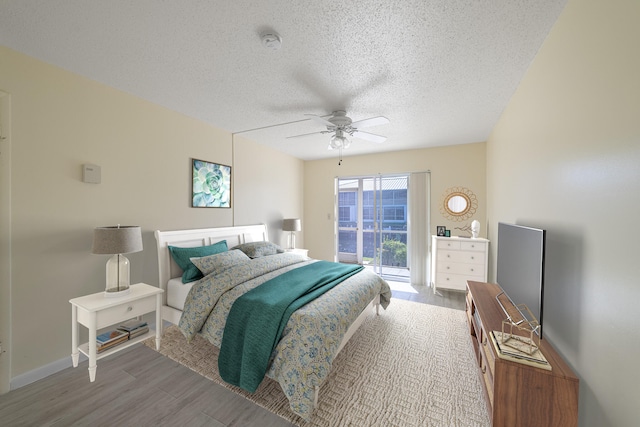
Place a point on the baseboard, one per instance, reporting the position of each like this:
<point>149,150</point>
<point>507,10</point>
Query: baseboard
<point>43,372</point>
<point>50,369</point>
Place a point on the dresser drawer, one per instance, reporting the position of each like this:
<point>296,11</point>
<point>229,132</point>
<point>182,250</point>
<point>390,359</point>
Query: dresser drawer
<point>448,244</point>
<point>461,268</point>
<point>454,281</point>
<point>473,246</point>
<point>119,313</point>
<point>462,257</point>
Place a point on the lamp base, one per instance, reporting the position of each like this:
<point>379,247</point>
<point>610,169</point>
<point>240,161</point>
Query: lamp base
<point>115,293</point>
<point>117,276</point>
<point>291,240</point>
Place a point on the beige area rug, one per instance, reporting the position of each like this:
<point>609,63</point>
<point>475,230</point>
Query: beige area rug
<point>413,365</point>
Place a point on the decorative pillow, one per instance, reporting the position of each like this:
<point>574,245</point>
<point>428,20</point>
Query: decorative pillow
<point>258,249</point>
<point>218,263</point>
<point>182,255</point>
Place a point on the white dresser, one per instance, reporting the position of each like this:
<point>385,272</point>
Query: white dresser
<point>454,260</point>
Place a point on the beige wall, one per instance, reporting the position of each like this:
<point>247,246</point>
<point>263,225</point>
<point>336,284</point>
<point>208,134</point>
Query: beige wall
<point>60,121</point>
<point>272,185</point>
<point>455,166</point>
<point>565,156</point>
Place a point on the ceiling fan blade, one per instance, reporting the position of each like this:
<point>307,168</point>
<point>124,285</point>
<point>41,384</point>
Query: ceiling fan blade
<point>373,121</point>
<point>320,120</point>
<point>369,136</point>
<point>306,134</point>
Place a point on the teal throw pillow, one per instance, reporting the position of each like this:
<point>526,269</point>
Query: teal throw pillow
<point>182,255</point>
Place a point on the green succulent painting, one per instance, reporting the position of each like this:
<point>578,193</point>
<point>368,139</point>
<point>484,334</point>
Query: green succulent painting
<point>211,185</point>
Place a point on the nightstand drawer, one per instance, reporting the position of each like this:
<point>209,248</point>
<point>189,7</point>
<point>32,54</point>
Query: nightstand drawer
<point>119,313</point>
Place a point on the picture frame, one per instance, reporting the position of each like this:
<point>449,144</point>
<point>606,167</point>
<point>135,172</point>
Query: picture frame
<point>210,184</point>
<point>447,233</point>
<point>440,230</point>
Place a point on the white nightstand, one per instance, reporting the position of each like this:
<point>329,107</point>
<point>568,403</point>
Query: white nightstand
<point>97,311</point>
<point>303,252</point>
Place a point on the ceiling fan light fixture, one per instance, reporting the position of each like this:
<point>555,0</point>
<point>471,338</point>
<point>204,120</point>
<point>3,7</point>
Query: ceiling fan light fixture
<point>339,141</point>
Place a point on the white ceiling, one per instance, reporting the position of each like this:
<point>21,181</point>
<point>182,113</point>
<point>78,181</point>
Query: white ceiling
<point>442,71</point>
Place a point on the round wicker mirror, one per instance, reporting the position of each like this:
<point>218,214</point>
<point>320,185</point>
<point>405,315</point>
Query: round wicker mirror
<point>458,204</point>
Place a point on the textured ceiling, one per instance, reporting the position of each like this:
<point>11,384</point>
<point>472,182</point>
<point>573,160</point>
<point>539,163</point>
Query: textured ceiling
<point>442,71</point>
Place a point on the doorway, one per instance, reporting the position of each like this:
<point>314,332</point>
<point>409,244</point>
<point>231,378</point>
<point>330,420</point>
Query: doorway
<point>373,224</point>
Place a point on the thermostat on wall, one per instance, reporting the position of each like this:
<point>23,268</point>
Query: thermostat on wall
<point>91,174</point>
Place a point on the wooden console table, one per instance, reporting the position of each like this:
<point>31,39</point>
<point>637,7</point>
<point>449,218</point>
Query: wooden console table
<point>518,394</point>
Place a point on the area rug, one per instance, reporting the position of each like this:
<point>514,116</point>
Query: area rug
<point>413,365</point>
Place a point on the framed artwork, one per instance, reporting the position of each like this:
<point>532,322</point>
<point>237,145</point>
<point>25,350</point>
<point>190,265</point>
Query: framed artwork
<point>440,230</point>
<point>211,185</point>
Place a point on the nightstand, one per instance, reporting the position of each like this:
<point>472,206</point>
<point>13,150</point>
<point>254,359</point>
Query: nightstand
<point>303,252</point>
<point>96,311</point>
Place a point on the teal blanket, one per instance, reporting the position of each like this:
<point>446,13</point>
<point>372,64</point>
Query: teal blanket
<point>256,319</point>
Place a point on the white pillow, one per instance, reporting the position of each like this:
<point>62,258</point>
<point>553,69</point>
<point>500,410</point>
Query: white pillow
<point>217,263</point>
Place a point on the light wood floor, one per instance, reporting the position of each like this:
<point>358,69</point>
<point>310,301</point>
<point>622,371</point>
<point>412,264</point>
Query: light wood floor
<point>140,387</point>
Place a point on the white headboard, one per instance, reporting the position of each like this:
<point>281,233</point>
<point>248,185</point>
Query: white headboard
<point>167,267</point>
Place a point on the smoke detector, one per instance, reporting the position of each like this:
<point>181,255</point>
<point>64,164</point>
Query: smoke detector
<point>271,41</point>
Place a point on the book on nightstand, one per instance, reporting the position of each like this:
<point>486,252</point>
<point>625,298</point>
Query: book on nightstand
<point>132,324</point>
<point>110,339</point>
<point>138,331</point>
<point>110,336</point>
<point>134,328</point>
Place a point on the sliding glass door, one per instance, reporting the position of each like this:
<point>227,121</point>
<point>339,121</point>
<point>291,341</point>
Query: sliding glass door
<point>373,223</point>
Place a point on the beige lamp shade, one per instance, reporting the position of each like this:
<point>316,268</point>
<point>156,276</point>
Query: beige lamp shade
<point>117,240</point>
<point>291,224</point>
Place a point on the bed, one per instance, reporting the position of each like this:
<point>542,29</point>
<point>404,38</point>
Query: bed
<point>301,360</point>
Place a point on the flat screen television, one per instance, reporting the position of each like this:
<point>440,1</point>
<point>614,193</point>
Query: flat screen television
<point>520,266</point>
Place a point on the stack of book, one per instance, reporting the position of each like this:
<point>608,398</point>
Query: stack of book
<point>510,352</point>
<point>134,328</point>
<point>110,339</point>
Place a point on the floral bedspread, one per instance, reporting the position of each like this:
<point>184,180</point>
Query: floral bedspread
<point>303,357</point>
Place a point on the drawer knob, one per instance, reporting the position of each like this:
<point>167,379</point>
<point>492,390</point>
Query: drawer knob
<point>129,308</point>
<point>473,257</point>
<point>472,269</point>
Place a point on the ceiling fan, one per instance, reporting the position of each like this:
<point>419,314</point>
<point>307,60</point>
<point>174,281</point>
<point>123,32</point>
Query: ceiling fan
<point>343,127</point>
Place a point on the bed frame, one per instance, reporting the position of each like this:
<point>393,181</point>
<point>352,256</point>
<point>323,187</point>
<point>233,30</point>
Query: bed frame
<point>168,269</point>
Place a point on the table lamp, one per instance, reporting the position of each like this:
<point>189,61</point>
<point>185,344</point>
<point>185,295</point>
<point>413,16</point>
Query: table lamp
<point>117,240</point>
<point>291,225</point>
